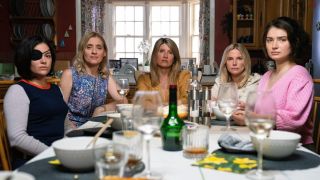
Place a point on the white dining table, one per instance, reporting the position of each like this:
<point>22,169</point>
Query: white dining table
<point>173,166</point>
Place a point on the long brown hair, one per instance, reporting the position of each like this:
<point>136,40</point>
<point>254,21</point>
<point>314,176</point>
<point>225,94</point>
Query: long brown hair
<point>176,65</point>
<point>225,75</point>
<point>78,60</point>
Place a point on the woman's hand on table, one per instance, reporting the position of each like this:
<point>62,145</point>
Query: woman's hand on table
<point>238,117</point>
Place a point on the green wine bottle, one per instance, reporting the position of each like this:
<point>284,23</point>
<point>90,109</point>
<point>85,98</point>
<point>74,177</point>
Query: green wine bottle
<point>172,125</point>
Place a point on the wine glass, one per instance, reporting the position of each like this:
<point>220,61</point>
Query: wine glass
<point>147,116</point>
<point>123,87</point>
<point>228,101</point>
<point>260,113</point>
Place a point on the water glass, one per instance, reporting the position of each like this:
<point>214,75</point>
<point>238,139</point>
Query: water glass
<point>133,139</point>
<point>125,111</point>
<point>110,160</point>
<point>195,141</point>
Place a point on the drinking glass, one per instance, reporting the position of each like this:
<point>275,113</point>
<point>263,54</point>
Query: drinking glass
<point>123,87</point>
<point>227,102</point>
<point>147,115</point>
<point>260,113</point>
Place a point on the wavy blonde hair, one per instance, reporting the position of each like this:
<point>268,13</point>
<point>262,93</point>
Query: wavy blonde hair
<point>224,73</point>
<point>78,60</point>
<point>176,65</point>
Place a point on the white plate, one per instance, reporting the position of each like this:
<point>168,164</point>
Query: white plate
<point>16,175</point>
<point>50,7</point>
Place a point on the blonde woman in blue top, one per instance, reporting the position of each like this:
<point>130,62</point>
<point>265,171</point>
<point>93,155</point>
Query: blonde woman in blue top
<point>86,84</point>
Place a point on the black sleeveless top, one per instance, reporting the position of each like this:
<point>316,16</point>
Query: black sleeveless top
<point>47,112</point>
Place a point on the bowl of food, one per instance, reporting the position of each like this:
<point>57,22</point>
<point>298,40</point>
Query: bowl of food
<point>279,144</point>
<point>73,153</point>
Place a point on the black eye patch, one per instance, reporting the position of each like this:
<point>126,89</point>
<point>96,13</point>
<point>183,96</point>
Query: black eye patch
<point>36,55</point>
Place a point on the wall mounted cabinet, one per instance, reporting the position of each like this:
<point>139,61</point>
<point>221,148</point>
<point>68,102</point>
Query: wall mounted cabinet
<point>251,16</point>
<point>31,17</point>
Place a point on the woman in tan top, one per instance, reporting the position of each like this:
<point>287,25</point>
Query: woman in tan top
<point>165,69</point>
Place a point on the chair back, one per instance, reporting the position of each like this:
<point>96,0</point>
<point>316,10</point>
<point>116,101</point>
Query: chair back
<point>4,143</point>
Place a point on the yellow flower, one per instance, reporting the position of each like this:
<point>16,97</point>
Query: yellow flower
<point>247,166</point>
<point>244,161</point>
<point>214,159</point>
<point>227,169</point>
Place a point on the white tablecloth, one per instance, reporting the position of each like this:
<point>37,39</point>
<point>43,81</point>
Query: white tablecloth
<point>173,166</point>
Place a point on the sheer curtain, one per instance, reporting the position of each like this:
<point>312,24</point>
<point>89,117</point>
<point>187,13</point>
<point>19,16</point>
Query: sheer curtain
<point>92,14</point>
<point>204,32</point>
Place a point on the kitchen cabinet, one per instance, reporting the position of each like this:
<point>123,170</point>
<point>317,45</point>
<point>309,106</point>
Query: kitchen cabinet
<point>251,16</point>
<point>31,17</point>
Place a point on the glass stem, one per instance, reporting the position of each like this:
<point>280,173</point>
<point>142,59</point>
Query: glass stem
<point>260,154</point>
<point>228,121</point>
<point>148,172</point>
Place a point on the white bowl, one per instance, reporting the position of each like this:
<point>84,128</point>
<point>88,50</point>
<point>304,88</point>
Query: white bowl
<point>279,144</point>
<point>119,107</point>
<point>117,123</point>
<point>73,154</point>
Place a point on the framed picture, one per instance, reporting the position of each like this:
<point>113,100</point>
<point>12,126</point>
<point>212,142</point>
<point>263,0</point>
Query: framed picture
<point>186,62</point>
<point>131,61</point>
<point>114,64</point>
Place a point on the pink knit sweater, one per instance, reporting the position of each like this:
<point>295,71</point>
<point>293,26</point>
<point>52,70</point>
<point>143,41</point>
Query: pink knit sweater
<point>293,94</point>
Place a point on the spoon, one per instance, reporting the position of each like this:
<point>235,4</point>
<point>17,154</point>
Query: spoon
<point>104,127</point>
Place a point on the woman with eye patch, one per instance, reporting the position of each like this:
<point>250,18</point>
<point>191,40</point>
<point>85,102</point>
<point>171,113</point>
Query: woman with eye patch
<point>34,109</point>
<point>165,69</point>
<point>287,44</point>
<point>236,67</point>
<point>86,84</point>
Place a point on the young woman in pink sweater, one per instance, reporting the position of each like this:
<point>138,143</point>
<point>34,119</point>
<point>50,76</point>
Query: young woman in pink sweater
<point>285,42</point>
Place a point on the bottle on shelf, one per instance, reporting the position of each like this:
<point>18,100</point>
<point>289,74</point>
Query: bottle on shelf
<point>171,127</point>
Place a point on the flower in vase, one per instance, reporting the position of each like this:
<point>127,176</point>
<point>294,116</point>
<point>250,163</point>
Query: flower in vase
<point>144,48</point>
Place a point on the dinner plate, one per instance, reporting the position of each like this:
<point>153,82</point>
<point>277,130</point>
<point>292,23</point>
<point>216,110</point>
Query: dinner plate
<point>43,170</point>
<point>50,7</point>
<point>90,132</point>
<point>15,175</point>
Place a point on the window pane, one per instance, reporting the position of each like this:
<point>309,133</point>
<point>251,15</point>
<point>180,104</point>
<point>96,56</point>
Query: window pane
<point>129,13</point>
<point>120,13</point>
<point>156,29</point>
<point>174,28</point>
<point>174,13</point>
<point>155,13</point>
<point>165,13</point>
<point>120,44</point>
<point>129,44</point>
<point>195,44</point>
<point>138,13</point>
<point>129,28</point>
<point>130,55</point>
<point>120,55</point>
<point>165,27</point>
<point>120,28</point>
<point>138,28</point>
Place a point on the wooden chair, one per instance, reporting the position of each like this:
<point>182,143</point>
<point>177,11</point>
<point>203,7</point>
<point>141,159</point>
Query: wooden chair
<point>4,143</point>
<point>315,118</point>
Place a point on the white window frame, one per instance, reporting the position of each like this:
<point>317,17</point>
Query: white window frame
<point>185,46</point>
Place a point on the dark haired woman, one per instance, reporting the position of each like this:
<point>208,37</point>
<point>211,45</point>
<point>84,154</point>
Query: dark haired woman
<point>291,84</point>
<point>34,109</point>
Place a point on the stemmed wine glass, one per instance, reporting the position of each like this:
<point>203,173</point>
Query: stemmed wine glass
<point>228,101</point>
<point>123,87</point>
<point>147,117</point>
<point>260,115</point>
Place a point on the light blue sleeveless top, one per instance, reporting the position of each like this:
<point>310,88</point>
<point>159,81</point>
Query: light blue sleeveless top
<point>87,93</point>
